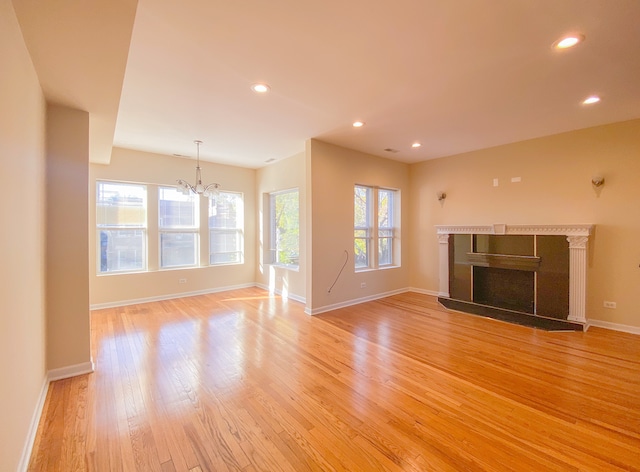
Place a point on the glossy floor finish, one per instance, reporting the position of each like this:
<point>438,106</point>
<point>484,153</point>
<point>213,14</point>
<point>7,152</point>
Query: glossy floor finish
<point>243,381</point>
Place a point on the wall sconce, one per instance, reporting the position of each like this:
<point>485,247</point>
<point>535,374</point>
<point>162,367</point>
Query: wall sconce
<point>441,196</point>
<point>597,181</point>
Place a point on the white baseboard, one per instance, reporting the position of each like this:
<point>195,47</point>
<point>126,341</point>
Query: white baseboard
<point>290,296</point>
<point>354,301</point>
<point>99,306</point>
<point>52,375</point>
<point>23,465</point>
<point>70,371</point>
<point>433,293</point>
<point>613,326</point>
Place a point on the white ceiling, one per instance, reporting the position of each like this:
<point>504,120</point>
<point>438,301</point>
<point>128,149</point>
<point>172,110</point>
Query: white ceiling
<point>455,75</point>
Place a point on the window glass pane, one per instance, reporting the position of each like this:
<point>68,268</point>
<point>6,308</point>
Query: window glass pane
<point>361,207</point>
<point>227,247</point>
<point>362,223</point>
<point>385,207</point>
<point>361,251</point>
<point>285,227</point>
<point>178,249</point>
<point>226,211</point>
<point>385,253</point>
<point>121,250</point>
<point>226,221</point>
<point>177,210</point>
<point>121,218</point>
<point>121,205</point>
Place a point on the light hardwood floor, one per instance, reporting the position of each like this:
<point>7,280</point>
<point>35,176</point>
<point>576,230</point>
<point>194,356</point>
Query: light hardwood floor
<point>244,381</point>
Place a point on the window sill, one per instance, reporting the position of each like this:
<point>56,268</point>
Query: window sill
<point>376,269</point>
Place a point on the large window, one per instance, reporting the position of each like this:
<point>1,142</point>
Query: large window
<point>285,227</point>
<point>121,220</point>
<point>374,227</point>
<point>186,231</point>
<point>226,229</point>
<point>178,225</point>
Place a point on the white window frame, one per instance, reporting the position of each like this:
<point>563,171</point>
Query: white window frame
<point>238,230</point>
<point>374,233</point>
<point>195,230</point>
<point>367,229</point>
<point>120,227</point>
<point>273,237</point>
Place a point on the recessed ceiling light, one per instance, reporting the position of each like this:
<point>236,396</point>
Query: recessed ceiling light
<point>591,100</point>
<point>416,145</point>
<point>358,124</point>
<point>260,88</point>
<point>568,41</point>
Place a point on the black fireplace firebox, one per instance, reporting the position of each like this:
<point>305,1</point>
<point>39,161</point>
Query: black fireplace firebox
<point>504,288</point>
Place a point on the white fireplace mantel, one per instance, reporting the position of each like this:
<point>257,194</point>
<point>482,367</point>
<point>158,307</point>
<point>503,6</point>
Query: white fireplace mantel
<point>577,236</point>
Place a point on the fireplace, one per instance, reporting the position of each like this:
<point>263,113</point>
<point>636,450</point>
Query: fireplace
<point>534,275</point>
<point>504,288</point>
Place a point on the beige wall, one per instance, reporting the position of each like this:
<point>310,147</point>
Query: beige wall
<point>555,188</point>
<point>282,175</point>
<point>67,237</point>
<point>333,172</point>
<point>141,167</point>
<point>22,282</point>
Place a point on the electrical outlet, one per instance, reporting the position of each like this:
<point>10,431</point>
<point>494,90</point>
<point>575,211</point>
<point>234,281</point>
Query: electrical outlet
<point>183,281</point>
<point>363,285</point>
<point>609,304</point>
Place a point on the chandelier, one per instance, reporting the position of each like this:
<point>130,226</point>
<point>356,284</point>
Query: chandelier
<point>199,188</point>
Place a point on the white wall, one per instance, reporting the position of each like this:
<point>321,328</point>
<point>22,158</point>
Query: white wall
<point>282,175</point>
<point>141,167</point>
<point>333,171</point>
<point>67,251</point>
<point>22,273</point>
<point>555,188</point>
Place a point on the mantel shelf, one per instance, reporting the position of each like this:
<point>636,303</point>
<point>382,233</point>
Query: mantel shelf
<point>504,261</point>
<point>566,230</point>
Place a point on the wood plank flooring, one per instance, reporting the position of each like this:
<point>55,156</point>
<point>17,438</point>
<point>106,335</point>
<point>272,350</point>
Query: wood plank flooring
<point>245,381</point>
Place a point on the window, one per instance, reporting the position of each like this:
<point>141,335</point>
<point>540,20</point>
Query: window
<point>226,229</point>
<point>121,220</point>
<point>285,227</point>
<point>179,223</point>
<point>362,226</point>
<point>374,227</point>
<point>385,227</point>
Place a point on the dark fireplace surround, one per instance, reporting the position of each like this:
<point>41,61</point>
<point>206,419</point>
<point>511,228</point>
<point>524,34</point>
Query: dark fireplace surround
<point>530,275</point>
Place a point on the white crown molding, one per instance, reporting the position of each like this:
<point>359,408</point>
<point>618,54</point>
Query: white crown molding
<point>551,230</point>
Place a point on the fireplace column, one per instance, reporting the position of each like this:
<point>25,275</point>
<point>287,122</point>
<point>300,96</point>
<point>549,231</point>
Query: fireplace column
<point>443,240</point>
<point>577,278</point>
